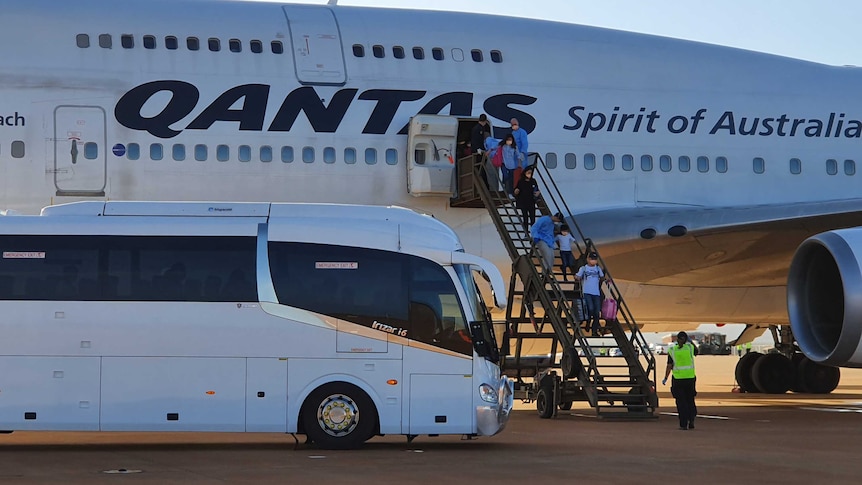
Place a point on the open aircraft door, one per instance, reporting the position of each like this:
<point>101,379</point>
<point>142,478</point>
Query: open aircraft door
<point>317,52</point>
<point>431,142</point>
<point>80,151</point>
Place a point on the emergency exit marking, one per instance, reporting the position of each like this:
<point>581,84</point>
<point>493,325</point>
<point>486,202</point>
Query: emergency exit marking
<point>336,265</point>
<point>23,255</point>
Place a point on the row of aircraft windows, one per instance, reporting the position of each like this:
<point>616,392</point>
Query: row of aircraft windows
<point>437,53</point>
<point>245,153</point>
<point>127,41</point>
<point>684,163</point>
<point>16,149</point>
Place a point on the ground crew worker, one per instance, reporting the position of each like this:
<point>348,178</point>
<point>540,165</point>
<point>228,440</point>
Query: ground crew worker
<point>680,360</point>
<point>748,348</point>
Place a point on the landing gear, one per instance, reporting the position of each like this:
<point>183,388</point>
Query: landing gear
<point>785,369</point>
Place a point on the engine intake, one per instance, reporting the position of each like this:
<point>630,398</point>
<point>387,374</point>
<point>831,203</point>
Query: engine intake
<point>824,297</point>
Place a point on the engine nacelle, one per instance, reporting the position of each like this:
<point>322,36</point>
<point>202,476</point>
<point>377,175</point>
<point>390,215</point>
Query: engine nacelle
<point>824,297</point>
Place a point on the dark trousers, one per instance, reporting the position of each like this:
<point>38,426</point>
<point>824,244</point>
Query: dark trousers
<point>528,217</point>
<point>683,390</point>
<point>593,305</point>
<point>568,261</point>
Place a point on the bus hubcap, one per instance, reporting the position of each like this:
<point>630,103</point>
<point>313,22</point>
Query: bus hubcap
<point>338,415</point>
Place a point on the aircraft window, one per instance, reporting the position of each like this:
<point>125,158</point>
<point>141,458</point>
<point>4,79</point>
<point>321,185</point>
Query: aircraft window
<point>358,50</point>
<point>244,153</point>
<point>703,164</point>
<point>277,47</point>
<point>477,55</point>
<point>418,53</point>
<point>201,153</point>
<point>308,154</point>
<point>664,163</point>
<point>551,160</point>
<point>571,161</point>
<point>17,149</point>
<point>350,156</point>
<point>391,156</point>
<point>171,43</point>
<point>759,165</point>
<point>378,52</point>
<point>133,151</point>
<point>179,152</point>
<point>628,163</point>
<point>608,161</point>
<point>437,54</point>
<point>266,154</point>
<point>127,41</point>
<point>329,155</point>
<point>496,57</point>
<point>234,45</point>
<point>832,166</point>
<point>156,151</point>
<point>721,164</point>
<point>82,40</point>
<point>255,46</point>
<point>105,41</point>
<point>287,154</point>
<point>192,43</point>
<point>222,153</point>
<point>795,166</point>
<point>149,42</point>
<point>684,164</point>
<point>457,54</point>
<point>214,44</point>
<point>371,156</point>
<point>646,163</point>
<point>91,151</point>
<point>398,52</point>
<point>589,161</point>
<point>849,167</point>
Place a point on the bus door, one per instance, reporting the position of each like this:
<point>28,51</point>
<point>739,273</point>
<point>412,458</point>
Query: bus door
<point>431,141</point>
<point>318,56</point>
<point>80,151</point>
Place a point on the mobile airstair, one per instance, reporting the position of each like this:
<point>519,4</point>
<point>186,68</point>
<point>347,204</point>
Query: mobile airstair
<point>614,371</point>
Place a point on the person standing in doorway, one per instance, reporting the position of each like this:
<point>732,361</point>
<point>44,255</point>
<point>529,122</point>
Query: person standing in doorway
<point>477,136</point>
<point>680,360</point>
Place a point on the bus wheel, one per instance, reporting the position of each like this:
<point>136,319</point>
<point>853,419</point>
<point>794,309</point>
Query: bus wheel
<point>339,416</point>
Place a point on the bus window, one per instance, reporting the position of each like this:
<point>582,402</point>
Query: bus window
<point>435,312</point>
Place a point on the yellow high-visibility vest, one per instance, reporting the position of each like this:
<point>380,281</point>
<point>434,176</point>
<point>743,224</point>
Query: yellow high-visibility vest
<point>683,360</point>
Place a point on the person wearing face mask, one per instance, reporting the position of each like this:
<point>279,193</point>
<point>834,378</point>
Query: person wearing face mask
<point>512,159</point>
<point>520,136</point>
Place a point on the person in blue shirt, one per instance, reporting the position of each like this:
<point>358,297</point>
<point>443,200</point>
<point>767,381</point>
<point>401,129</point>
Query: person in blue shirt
<point>591,276</point>
<point>520,136</point>
<point>542,233</point>
<point>565,240</point>
<point>512,159</point>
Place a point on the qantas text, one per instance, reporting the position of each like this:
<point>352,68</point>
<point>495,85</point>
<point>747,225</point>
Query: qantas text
<point>247,105</point>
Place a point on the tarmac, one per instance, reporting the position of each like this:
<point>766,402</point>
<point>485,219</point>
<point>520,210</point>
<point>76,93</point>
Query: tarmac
<point>739,438</point>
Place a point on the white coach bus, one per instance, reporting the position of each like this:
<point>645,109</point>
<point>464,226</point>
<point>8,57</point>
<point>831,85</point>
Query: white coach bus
<point>339,322</point>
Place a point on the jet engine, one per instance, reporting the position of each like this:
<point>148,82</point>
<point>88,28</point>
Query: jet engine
<point>824,297</point>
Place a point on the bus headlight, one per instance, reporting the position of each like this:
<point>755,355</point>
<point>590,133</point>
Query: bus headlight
<point>488,393</point>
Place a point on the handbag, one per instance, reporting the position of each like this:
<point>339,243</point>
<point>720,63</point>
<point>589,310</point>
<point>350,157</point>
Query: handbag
<point>497,158</point>
<point>609,309</point>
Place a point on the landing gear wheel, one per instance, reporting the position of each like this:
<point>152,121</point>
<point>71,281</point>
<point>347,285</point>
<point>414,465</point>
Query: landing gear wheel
<point>566,405</point>
<point>773,374</point>
<point>798,382</point>
<point>743,371</point>
<point>545,402</point>
<point>339,416</point>
<point>818,378</point>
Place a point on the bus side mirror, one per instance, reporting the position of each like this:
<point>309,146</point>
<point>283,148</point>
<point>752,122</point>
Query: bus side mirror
<point>484,342</point>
